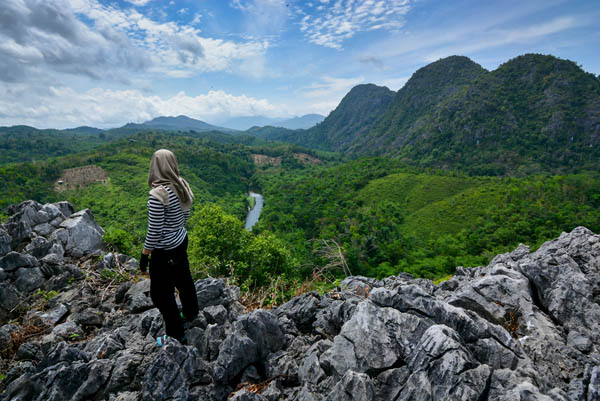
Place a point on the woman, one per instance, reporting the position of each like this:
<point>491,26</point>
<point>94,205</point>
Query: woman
<point>168,210</point>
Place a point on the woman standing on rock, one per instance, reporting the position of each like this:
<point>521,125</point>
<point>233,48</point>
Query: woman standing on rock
<point>168,211</point>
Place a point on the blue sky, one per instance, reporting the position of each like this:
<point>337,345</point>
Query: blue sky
<point>65,63</point>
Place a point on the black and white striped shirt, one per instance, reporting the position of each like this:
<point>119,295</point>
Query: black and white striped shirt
<point>165,223</point>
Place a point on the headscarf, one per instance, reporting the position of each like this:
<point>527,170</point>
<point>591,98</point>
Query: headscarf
<point>165,172</point>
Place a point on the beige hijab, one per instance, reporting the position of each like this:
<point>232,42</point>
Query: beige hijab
<point>165,172</point>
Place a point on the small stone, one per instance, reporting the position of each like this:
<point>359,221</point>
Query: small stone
<point>216,314</point>
<point>50,318</point>
<point>44,229</point>
<point>137,298</point>
<point>68,331</point>
<point>65,208</point>
<point>89,317</point>
<point>29,279</point>
<point>580,342</point>
<point>29,352</point>
<point>6,332</point>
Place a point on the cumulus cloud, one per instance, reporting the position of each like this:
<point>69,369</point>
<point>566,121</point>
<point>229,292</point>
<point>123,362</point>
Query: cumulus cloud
<point>62,107</point>
<point>45,36</point>
<point>330,23</point>
<point>38,34</point>
<point>139,2</point>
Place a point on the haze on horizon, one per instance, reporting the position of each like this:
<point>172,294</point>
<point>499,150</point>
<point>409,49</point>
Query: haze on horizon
<point>103,63</point>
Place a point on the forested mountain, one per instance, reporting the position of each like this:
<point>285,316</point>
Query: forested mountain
<point>23,143</point>
<point>533,114</point>
<point>249,122</point>
<point>304,122</point>
<point>354,117</point>
<point>179,123</point>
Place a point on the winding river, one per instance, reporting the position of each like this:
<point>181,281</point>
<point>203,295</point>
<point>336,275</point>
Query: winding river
<point>254,214</point>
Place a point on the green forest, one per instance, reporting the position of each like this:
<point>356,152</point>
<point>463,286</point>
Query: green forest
<point>459,165</point>
<point>370,216</point>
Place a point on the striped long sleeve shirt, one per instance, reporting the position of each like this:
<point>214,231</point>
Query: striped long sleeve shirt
<point>165,223</point>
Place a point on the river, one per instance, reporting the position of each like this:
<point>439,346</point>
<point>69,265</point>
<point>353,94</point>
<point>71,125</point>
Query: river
<point>254,214</point>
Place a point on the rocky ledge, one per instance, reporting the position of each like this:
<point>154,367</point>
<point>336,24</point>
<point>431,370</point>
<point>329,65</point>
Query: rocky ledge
<point>526,327</point>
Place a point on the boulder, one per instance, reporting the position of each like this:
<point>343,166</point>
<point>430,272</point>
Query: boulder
<point>5,242</point>
<point>137,298</point>
<point>15,260</point>
<point>49,318</point>
<point>352,387</point>
<point>84,235</point>
<point>38,247</point>
<point>65,208</point>
<point>253,338</point>
<point>9,299</point>
<point>29,352</point>
<point>211,291</point>
<point>174,369</point>
<point>28,280</point>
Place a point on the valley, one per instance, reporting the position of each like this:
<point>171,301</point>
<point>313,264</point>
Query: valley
<point>421,180</point>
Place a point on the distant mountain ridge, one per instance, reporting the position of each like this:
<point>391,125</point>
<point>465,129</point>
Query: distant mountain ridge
<point>179,123</point>
<point>534,113</point>
<point>247,122</point>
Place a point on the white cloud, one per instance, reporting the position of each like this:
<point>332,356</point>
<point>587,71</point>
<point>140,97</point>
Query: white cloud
<point>139,2</point>
<point>330,87</point>
<point>331,23</point>
<point>500,37</point>
<point>45,36</point>
<point>38,35</point>
<point>62,107</point>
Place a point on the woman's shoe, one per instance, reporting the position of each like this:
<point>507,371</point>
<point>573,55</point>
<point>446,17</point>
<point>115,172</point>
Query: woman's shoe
<point>162,340</point>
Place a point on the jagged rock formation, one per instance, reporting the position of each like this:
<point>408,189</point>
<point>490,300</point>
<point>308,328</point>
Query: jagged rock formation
<point>526,327</point>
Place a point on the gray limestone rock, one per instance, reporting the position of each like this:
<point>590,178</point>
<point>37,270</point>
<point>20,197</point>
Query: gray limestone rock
<point>29,352</point>
<point>65,208</point>
<point>215,314</point>
<point>253,338</point>
<point>137,298</point>
<point>49,318</point>
<point>67,330</point>
<point>9,299</point>
<point>244,395</point>
<point>5,242</point>
<point>28,280</point>
<point>211,291</point>
<point>525,327</point>
<point>38,247</point>
<point>6,336</point>
<point>301,310</point>
<point>15,260</point>
<point>84,235</point>
<point>352,387</point>
<point>174,369</point>
<point>373,340</point>
<point>44,229</point>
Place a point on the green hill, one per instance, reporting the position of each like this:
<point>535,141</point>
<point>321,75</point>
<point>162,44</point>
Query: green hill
<point>533,114</point>
<point>388,217</point>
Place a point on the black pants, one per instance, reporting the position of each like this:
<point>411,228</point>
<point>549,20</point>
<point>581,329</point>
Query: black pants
<point>170,269</point>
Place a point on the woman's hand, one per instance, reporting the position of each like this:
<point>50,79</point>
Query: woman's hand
<point>144,260</point>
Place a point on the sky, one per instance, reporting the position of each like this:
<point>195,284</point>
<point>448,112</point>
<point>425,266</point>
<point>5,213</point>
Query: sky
<point>104,63</point>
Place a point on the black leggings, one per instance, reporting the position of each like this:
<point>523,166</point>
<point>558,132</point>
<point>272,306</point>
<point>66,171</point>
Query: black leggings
<point>170,269</point>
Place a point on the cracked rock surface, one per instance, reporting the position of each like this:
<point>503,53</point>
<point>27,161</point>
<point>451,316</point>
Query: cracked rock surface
<point>525,327</point>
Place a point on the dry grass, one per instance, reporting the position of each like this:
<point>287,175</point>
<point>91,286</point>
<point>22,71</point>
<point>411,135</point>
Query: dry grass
<point>254,387</point>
